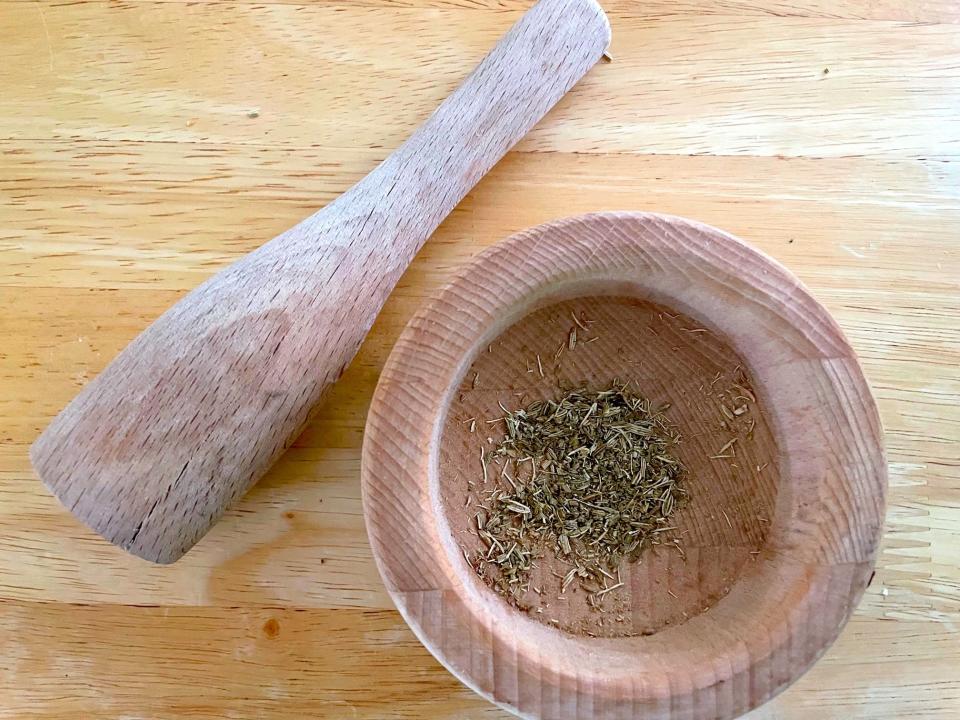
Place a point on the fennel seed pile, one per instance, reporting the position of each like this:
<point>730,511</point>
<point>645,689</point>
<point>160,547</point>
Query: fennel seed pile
<point>590,478</point>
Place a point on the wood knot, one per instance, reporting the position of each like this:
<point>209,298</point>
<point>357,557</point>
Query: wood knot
<point>271,628</point>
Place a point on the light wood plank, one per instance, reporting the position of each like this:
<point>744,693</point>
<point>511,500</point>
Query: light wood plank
<point>167,216</point>
<point>282,663</point>
<point>921,11</point>
<point>301,75</point>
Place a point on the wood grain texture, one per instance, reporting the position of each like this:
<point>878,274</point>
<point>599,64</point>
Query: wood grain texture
<point>199,406</point>
<point>755,623</point>
<point>125,181</point>
<point>665,94</point>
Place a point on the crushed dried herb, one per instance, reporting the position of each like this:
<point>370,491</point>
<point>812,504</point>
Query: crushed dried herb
<point>591,478</point>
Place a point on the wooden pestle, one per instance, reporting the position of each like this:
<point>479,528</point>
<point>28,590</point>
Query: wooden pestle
<point>190,415</point>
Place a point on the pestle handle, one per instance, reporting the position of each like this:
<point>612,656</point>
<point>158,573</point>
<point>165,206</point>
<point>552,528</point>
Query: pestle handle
<point>190,415</point>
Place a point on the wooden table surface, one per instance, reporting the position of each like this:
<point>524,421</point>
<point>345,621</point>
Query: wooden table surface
<point>146,144</point>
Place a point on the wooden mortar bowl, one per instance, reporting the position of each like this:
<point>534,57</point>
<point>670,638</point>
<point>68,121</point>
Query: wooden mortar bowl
<point>778,540</point>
